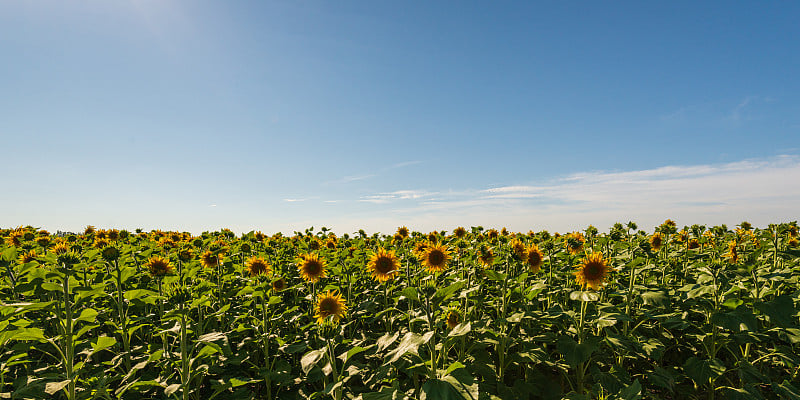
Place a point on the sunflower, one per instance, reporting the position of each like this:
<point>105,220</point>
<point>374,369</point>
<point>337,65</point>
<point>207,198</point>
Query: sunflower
<point>260,236</point>
<point>486,256</point>
<point>518,248</point>
<point>792,242</point>
<point>330,304</point>
<point>60,248</point>
<point>209,259</point>
<point>43,241</point>
<point>693,244</point>
<point>492,234</point>
<point>433,237</point>
<point>533,257</point>
<point>435,257</point>
<point>330,243</point>
<point>28,256</point>
<point>258,266</point>
<point>278,285</point>
<point>383,264</point>
<point>113,234</point>
<point>453,318</point>
<point>110,253</point>
<point>245,248</point>
<point>185,254</point>
<point>311,267</point>
<point>397,239</point>
<point>402,231</point>
<point>100,243</point>
<point>14,239</point>
<point>593,272</point>
<point>656,241</point>
<point>574,242</point>
<point>733,254</point>
<point>313,244</point>
<point>792,231</point>
<point>158,266</point>
<point>460,232</point>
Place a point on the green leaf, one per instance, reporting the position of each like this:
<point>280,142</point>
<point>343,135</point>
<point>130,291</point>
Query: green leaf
<point>585,295</point>
<point>87,315</point>
<point>703,371</point>
<point>786,390</point>
<point>780,311</point>
<point>411,293</point>
<point>732,303</point>
<point>172,388</point>
<point>460,330</point>
<point>410,343</point>
<point>52,387</point>
<point>447,292</point>
<point>655,299</point>
<point>632,392</point>
<point>350,353</point>
<point>463,383</point>
<point>103,342</point>
<point>575,353</point>
<point>311,359</point>
<point>494,275</point>
<point>386,340</point>
<point>28,334</point>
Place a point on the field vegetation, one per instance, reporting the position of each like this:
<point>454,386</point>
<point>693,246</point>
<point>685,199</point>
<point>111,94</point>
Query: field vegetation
<point>669,313</point>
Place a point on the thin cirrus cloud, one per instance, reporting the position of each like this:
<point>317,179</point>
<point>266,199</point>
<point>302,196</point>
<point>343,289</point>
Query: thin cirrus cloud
<point>761,191</point>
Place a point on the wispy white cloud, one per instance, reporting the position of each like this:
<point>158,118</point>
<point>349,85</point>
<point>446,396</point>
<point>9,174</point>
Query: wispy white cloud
<point>381,198</point>
<point>760,190</point>
<point>406,164</point>
<point>294,200</point>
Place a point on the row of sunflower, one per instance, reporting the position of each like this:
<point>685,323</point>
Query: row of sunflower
<point>474,314</point>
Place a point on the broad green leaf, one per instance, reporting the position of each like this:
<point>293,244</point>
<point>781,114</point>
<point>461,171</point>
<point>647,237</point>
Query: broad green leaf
<point>103,342</point>
<point>586,295</point>
<point>386,340</point>
<point>573,352</point>
<point>52,387</point>
<point>780,311</point>
<point>350,353</point>
<point>87,315</point>
<point>311,359</point>
<point>632,392</point>
<point>703,371</point>
<point>410,343</point>
<point>172,388</point>
<point>446,292</point>
<point>460,330</point>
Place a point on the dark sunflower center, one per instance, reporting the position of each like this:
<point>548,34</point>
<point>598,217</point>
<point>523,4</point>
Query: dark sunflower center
<point>384,265</point>
<point>328,306</point>
<point>313,267</point>
<point>593,271</point>
<point>436,257</point>
<point>534,258</point>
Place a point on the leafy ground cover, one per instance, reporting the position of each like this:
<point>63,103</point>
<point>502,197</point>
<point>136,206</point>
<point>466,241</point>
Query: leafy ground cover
<point>472,314</point>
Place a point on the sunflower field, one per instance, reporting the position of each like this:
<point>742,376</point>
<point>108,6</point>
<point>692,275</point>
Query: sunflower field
<point>692,313</point>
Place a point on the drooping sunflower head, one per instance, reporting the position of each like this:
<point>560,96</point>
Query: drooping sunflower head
<point>486,256</point>
<point>209,259</point>
<point>435,257</point>
<point>110,253</point>
<point>258,266</point>
<point>518,248</point>
<point>593,271</point>
<point>460,232</point>
<point>311,267</point>
<point>158,266</point>
<point>452,318</point>
<point>656,241</point>
<point>330,305</point>
<point>504,231</point>
<point>43,241</point>
<point>60,248</point>
<point>383,265</point>
<point>574,242</point>
<point>533,257</point>
<point>433,237</point>
<point>278,285</point>
<point>89,230</point>
<point>733,254</point>
<point>28,256</point>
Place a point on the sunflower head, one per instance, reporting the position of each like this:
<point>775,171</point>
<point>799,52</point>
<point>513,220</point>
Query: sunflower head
<point>693,244</point>
<point>185,254</point>
<point>492,234</point>
<point>485,256</point>
<point>383,265</point>
<point>330,306</point>
<point>100,243</point>
<point>574,242</point>
<point>533,257</point>
<point>593,271</point>
<point>330,243</point>
<point>656,241</point>
<point>402,231</point>
<point>311,267</point>
<point>209,259</point>
<point>435,257</point>
<point>460,232</point>
<point>279,285</point>
<point>258,266</point>
<point>733,254</point>
<point>260,236</point>
<point>433,237</point>
<point>792,242</point>
<point>28,256</point>
<point>43,241</point>
<point>245,248</point>
<point>60,248</point>
<point>518,248</point>
<point>792,231</point>
<point>158,266</point>
<point>313,244</point>
<point>110,253</point>
<point>452,318</point>
<point>14,239</point>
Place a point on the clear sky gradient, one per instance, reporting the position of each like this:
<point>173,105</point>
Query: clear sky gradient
<point>276,116</point>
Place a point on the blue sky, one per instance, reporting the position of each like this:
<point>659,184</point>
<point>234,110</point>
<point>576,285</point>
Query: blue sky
<point>277,116</point>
